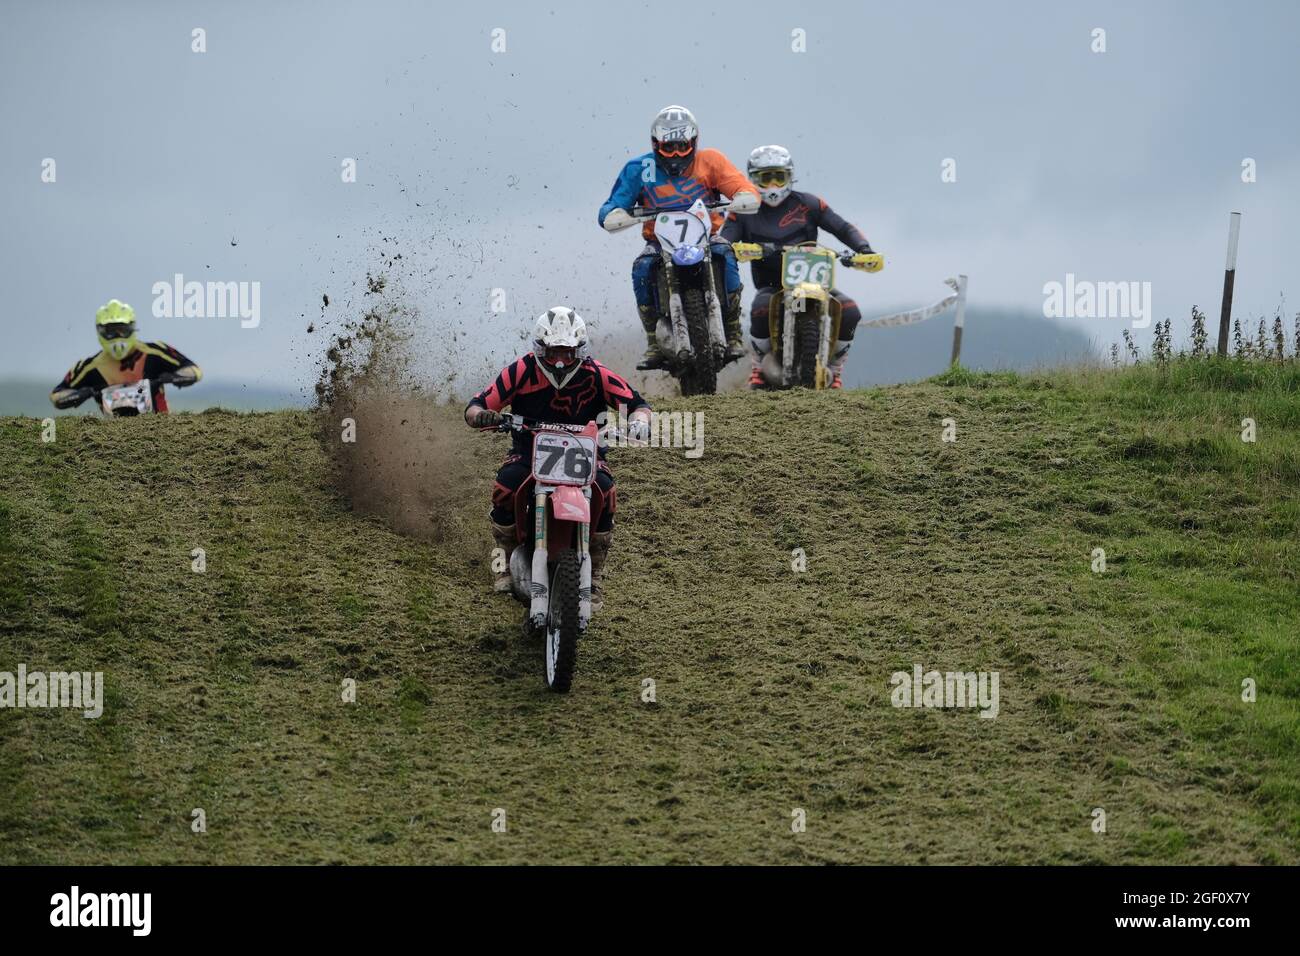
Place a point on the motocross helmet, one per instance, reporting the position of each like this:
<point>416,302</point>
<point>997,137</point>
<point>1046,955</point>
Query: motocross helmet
<point>673,135</point>
<point>115,326</point>
<point>560,344</point>
<point>772,171</point>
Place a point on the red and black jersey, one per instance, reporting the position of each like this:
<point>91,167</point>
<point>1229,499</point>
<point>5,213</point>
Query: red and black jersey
<point>795,220</point>
<point>592,390</point>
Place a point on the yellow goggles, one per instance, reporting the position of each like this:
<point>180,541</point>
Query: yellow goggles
<point>771,177</point>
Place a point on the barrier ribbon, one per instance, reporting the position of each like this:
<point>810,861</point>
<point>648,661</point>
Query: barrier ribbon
<point>916,315</point>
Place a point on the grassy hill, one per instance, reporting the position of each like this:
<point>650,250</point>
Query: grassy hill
<point>1119,690</point>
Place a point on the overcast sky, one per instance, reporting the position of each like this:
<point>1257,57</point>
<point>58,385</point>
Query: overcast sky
<point>485,169</point>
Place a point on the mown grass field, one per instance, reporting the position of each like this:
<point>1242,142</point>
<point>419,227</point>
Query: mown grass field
<point>1120,690</point>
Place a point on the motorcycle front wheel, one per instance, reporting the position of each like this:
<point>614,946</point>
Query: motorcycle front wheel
<point>562,623</point>
<point>701,378</point>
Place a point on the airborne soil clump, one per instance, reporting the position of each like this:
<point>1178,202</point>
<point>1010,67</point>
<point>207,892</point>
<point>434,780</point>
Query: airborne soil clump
<point>400,451</point>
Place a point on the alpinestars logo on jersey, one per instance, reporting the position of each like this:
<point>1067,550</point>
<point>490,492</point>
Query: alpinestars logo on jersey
<point>796,216</point>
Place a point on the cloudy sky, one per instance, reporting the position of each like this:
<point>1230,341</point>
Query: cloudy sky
<point>485,168</point>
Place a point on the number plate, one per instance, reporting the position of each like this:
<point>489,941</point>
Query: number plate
<point>137,397</point>
<point>808,265</point>
<point>689,227</point>
<point>560,459</point>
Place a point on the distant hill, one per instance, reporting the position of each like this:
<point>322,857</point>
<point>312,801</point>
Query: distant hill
<point>32,397</point>
<point>995,339</point>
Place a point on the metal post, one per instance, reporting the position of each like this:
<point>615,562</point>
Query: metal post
<point>961,320</point>
<point>1229,279</point>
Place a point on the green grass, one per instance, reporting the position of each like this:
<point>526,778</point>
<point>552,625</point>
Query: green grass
<point>1119,690</point>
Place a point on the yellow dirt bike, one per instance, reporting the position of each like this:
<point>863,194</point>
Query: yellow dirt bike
<point>803,316</point>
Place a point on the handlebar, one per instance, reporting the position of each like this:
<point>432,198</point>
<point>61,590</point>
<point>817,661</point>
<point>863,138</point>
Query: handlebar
<point>845,256</point>
<point>642,213</point>
<point>510,422</point>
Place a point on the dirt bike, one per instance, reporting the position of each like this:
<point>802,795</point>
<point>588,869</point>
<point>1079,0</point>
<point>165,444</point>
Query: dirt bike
<point>555,509</point>
<point>803,316</point>
<point>690,330</point>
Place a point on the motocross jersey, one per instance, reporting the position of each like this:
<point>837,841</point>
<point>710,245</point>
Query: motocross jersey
<point>795,220</point>
<point>592,390</point>
<point>148,360</point>
<point>709,176</point>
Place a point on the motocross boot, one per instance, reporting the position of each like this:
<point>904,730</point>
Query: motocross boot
<point>504,536</point>
<point>731,325</point>
<point>649,321</point>
<point>761,348</point>
<point>598,547</point>
<point>837,362</point>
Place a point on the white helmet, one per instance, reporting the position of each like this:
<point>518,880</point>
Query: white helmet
<point>772,171</point>
<point>560,344</point>
<point>673,135</point>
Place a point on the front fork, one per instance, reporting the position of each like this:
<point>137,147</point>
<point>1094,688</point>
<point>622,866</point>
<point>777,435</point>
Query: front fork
<point>540,590</point>
<point>787,342</point>
<point>677,315</point>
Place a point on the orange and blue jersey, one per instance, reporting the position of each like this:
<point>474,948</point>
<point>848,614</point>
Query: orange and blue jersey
<point>642,182</point>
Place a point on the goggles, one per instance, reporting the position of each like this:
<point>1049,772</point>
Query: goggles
<point>771,177</point>
<point>675,148</point>
<point>117,330</point>
<point>561,356</point>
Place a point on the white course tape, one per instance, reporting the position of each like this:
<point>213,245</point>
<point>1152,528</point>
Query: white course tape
<point>916,315</point>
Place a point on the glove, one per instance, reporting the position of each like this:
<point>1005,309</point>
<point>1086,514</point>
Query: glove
<point>72,397</point>
<point>480,417</point>
<point>868,261</point>
<point>638,429</point>
<point>747,251</point>
<point>744,203</point>
<point>617,219</point>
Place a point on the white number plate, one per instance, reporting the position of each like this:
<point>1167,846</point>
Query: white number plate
<point>687,228</point>
<point>560,459</point>
<point>807,265</point>
<point>136,397</point>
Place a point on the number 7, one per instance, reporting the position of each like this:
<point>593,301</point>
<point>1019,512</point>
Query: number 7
<point>553,455</point>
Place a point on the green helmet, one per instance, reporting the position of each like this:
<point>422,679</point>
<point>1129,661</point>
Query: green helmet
<point>115,324</point>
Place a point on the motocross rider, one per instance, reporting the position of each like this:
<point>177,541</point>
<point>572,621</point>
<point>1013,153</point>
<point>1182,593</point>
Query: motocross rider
<point>788,217</point>
<point>560,383</point>
<point>124,360</point>
<point>673,175</point>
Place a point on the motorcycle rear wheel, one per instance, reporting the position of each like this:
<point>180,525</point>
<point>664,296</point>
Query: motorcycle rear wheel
<point>562,623</point>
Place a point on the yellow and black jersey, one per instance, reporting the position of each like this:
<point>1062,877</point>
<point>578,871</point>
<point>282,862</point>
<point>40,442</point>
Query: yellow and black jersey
<point>148,360</point>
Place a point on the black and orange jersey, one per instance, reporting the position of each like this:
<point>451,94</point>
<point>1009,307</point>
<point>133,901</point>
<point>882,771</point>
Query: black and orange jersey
<point>592,390</point>
<point>797,219</point>
<point>148,360</point>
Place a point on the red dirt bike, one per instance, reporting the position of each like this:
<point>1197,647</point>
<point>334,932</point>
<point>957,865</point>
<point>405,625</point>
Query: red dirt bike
<point>555,509</point>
